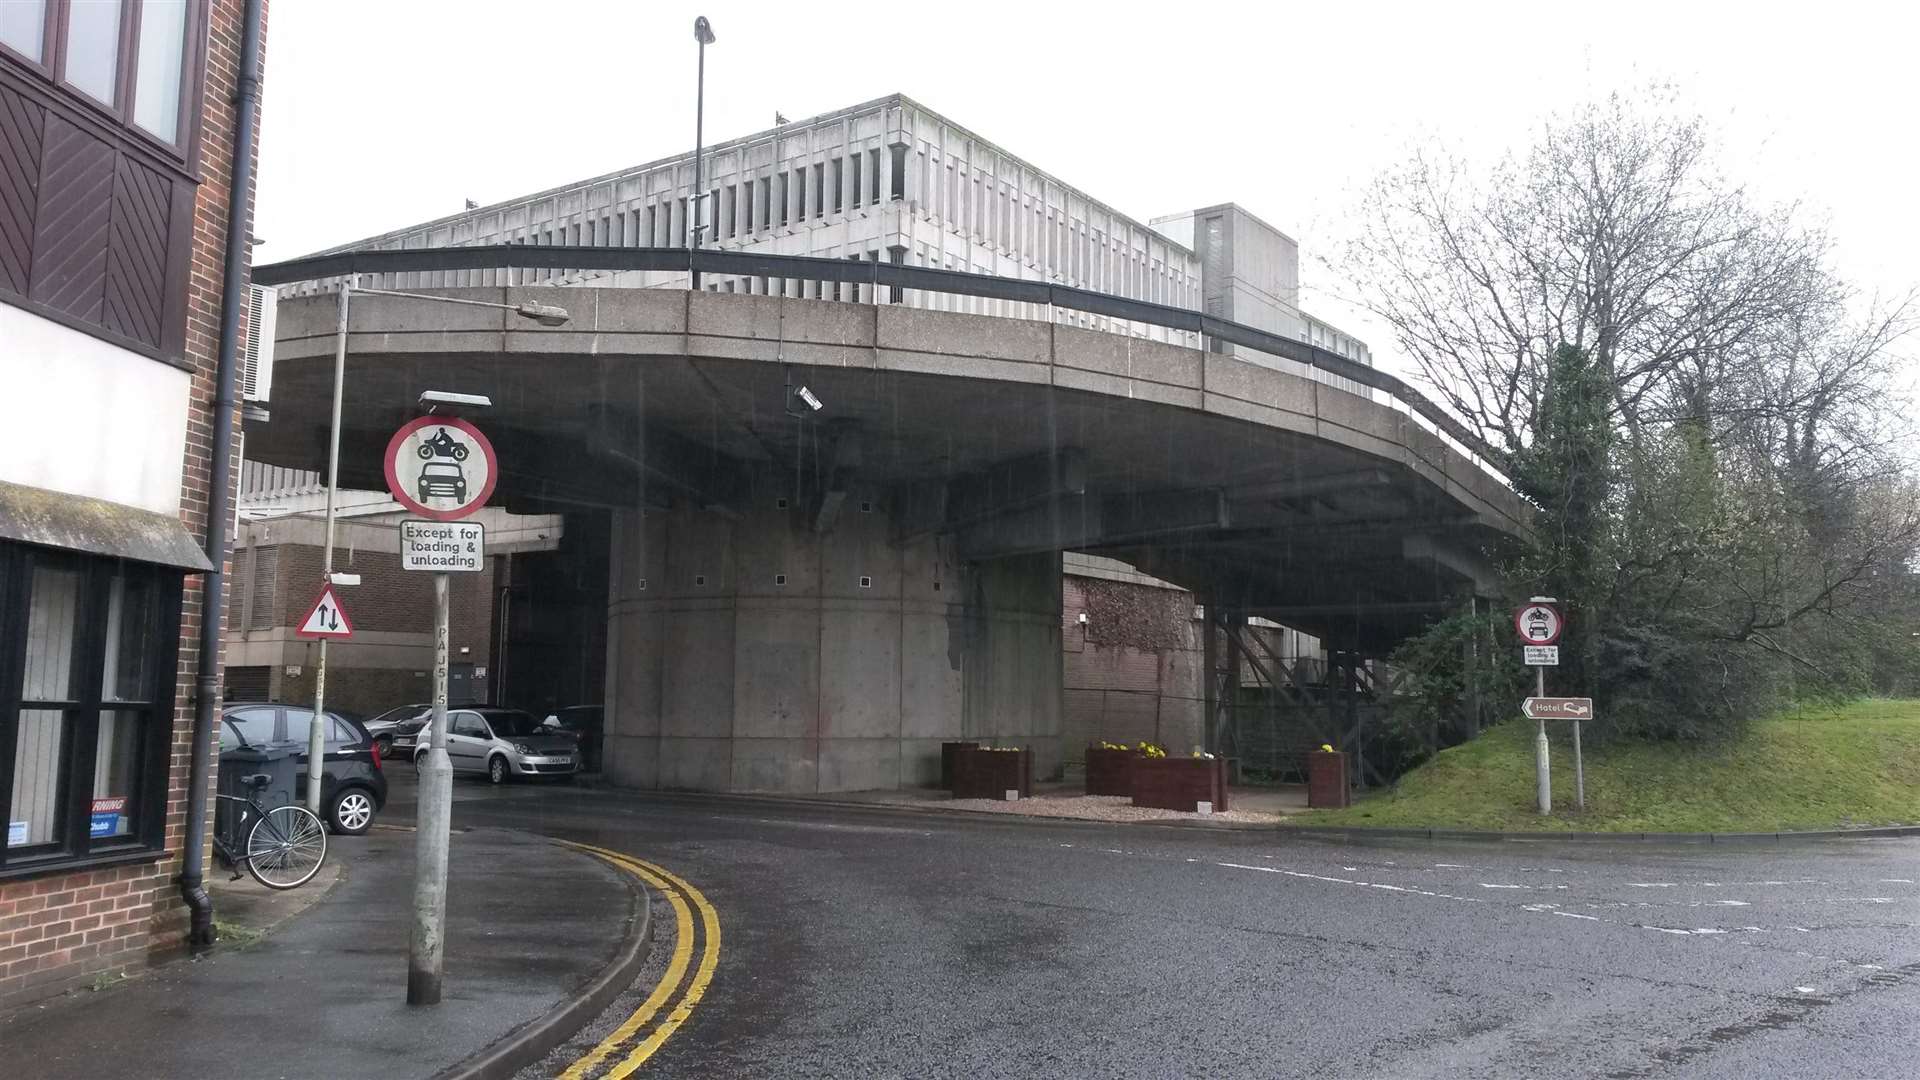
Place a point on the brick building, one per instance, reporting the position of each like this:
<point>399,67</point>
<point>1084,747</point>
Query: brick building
<point>118,125</point>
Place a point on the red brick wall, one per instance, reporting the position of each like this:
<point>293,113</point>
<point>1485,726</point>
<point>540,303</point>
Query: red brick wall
<point>63,930</point>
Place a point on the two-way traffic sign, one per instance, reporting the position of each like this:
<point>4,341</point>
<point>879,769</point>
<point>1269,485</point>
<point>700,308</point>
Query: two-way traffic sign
<point>326,619</point>
<point>1558,708</point>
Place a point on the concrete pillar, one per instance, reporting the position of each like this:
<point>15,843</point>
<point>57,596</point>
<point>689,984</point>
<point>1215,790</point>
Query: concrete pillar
<point>764,656</point>
<point>886,174</point>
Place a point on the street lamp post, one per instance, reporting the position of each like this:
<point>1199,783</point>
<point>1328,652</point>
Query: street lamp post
<point>702,33</point>
<point>434,816</point>
<point>545,315</point>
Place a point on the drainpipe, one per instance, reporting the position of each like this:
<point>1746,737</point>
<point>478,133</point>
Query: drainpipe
<point>235,274</point>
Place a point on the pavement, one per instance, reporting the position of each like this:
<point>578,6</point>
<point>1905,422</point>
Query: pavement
<point>530,923</point>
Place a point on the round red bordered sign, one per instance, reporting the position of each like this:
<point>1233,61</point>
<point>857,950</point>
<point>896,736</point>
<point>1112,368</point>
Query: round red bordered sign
<point>1538,624</point>
<point>441,467</point>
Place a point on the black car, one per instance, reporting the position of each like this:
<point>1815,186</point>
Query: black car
<point>586,723</point>
<point>353,787</point>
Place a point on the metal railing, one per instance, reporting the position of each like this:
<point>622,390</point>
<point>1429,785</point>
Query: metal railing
<point>877,275</point>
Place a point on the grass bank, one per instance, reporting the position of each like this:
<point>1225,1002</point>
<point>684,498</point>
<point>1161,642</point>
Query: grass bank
<point>1843,766</point>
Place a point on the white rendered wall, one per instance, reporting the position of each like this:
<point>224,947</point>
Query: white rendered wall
<point>84,417</point>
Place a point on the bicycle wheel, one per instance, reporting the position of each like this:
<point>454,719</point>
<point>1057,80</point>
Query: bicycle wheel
<point>286,847</point>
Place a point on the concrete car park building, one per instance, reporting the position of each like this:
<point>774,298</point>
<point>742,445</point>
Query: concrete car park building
<point>124,131</point>
<point>809,597</point>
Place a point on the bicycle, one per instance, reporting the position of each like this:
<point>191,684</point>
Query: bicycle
<point>284,846</point>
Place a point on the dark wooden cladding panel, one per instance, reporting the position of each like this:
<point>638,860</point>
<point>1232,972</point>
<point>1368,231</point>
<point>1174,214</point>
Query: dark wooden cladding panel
<point>22,124</point>
<point>137,251</point>
<point>70,236</point>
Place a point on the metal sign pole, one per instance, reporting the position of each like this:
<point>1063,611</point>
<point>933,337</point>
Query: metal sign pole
<point>435,816</point>
<point>1543,776</point>
<point>1579,771</point>
<point>316,732</point>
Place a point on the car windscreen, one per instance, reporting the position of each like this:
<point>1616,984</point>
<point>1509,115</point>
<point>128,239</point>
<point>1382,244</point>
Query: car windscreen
<point>508,725</point>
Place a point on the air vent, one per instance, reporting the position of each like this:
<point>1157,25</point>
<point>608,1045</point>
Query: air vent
<point>256,366</point>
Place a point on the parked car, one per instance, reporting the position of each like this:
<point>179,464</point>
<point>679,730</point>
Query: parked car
<point>353,787</point>
<point>586,723</point>
<point>401,720</point>
<point>503,743</point>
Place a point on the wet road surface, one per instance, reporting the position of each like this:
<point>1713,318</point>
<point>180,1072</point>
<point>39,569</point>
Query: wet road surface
<point>874,943</point>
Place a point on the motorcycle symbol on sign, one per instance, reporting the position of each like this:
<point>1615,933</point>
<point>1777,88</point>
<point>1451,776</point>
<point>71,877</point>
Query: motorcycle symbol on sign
<point>443,444</point>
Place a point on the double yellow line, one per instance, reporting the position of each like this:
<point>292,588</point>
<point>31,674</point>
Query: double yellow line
<point>619,1054</point>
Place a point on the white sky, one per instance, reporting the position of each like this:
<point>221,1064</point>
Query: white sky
<point>384,113</point>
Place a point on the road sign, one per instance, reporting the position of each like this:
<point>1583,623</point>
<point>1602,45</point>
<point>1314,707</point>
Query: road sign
<point>1541,655</point>
<point>326,619</point>
<point>1558,708</point>
<point>443,546</point>
<point>1538,623</point>
<point>441,467</point>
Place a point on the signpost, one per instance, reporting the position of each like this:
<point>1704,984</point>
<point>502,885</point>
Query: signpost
<point>443,469</point>
<point>1539,625</point>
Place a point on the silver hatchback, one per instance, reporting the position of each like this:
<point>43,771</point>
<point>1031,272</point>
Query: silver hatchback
<point>501,744</point>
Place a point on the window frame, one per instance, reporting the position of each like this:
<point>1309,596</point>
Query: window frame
<point>50,77</point>
<point>74,847</point>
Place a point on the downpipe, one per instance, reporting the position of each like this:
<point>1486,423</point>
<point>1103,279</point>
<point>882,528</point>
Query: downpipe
<point>206,687</point>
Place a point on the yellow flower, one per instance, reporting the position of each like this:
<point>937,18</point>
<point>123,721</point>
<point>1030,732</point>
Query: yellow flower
<point>1326,748</point>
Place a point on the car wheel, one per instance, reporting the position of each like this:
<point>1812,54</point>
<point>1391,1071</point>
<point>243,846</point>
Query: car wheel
<point>384,744</point>
<point>419,763</point>
<point>352,812</point>
<point>497,771</point>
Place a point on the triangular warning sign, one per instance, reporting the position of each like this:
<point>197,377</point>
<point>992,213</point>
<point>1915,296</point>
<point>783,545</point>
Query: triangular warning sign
<point>326,619</point>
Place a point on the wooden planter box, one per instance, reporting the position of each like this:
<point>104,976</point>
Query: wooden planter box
<point>990,774</point>
<point>947,752</point>
<point>1172,783</point>
<point>1110,772</point>
<point>1327,780</point>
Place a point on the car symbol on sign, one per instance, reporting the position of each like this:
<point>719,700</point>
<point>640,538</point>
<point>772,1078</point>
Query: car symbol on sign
<point>442,479</point>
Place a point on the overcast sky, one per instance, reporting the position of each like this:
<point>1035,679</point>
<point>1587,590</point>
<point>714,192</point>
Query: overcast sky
<point>383,113</point>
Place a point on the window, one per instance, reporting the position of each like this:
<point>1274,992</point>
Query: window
<point>853,181</point>
<point>897,183</point>
<point>93,48</point>
<point>86,702</point>
<point>468,725</point>
<point>161,64</point>
<point>23,28</point>
<point>873,177</point>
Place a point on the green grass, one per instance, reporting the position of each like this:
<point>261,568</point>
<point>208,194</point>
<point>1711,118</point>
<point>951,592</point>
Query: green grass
<point>1842,766</point>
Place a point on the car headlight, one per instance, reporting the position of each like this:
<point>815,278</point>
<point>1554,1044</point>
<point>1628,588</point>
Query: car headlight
<point>523,748</point>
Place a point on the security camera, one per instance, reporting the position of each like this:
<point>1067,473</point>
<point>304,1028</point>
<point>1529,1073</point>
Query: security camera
<point>806,395</point>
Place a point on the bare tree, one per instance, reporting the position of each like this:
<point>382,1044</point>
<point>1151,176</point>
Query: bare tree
<point>1673,373</point>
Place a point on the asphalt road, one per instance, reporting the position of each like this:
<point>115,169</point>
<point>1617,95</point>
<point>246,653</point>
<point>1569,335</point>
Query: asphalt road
<point>871,943</point>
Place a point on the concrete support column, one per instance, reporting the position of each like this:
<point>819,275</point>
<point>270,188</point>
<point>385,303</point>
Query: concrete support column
<point>886,174</point>
<point>748,651</point>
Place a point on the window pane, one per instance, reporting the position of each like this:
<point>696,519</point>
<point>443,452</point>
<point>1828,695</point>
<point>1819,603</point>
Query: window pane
<point>53,623</point>
<point>116,775</point>
<point>33,816</point>
<point>299,726</point>
<point>23,27</point>
<point>93,47</point>
<point>253,725</point>
<point>129,639</point>
<point>156,86</point>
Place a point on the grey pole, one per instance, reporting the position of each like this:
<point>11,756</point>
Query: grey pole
<point>430,839</point>
<point>1579,771</point>
<point>703,33</point>
<point>1543,776</point>
<point>316,732</point>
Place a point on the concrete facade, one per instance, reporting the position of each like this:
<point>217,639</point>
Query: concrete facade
<point>891,180</point>
<point>748,652</point>
<point>955,458</point>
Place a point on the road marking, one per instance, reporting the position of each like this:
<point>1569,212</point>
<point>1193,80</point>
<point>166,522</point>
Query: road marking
<point>678,892</point>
